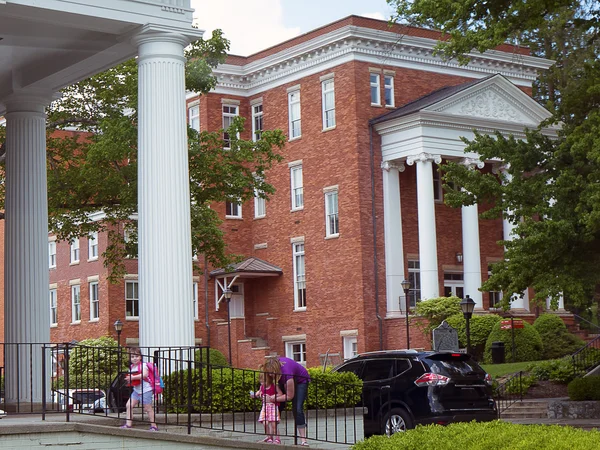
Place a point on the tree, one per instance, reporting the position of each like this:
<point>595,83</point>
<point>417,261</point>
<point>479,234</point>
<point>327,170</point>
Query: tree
<point>95,168</point>
<point>552,192</point>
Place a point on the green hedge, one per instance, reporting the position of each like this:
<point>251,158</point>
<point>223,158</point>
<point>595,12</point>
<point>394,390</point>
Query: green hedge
<point>558,370</point>
<point>494,435</point>
<point>528,344</point>
<point>228,390</point>
<point>587,388</point>
<point>436,310</point>
<point>213,355</point>
<point>480,327</point>
<point>556,337</point>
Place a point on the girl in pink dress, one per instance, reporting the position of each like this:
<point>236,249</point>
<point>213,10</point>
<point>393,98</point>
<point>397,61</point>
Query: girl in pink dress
<point>269,414</point>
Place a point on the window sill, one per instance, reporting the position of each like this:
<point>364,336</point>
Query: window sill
<point>295,138</point>
<point>300,309</point>
<point>93,259</point>
<point>74,263</point>
<point>77,322</point>
<point>94,320</point>
<point>234,218</point>
<point>296,209</point>
<point>52,267</point>
<point>390,106</point>
<point>332,236</point>
<point>329,129</point>
<point>133,318</point>
<point>260,217</point>
<point>376,105</point>
<point>53,325</point>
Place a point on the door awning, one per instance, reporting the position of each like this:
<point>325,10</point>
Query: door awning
<point>249,268</point>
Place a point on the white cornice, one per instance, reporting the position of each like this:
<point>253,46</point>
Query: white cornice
<point>353,43</point>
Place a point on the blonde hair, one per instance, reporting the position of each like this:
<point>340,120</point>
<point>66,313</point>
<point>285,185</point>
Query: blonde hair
<point>273,367</point>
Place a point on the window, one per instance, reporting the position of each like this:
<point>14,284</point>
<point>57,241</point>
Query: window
<point>294,114</point>
<point>132,299</point>
<point>94,301</point>
<point>75,250</point>
<point>195,300</point>
<point>93,246</point>
<point>257,121</point>
<point>350,347</point>
<point>194,117</point>
<point>260,205</point>
<point>328,101</point>
<point>437,184</point>
<point>375,94</point>
<point>414,276</point>
<point>296,351</point>
<point>75,303</point>
<point>53,308</point>
<point>229,113</point>
<point>379,369</point>
<point>233,210</point>
<point>388,90</point>
<point>297,187</point>
<point>299,277</point>
<point>495,297</point>
<point>332,224</point>
<point>52,254</point>
<point>454,284</point>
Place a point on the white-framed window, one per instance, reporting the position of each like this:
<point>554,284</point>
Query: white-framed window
<point>257,121</point>
<point>230,112</point>
<point>233,210</point>
<point>53,307</point>
<point>414,276</point>
<point>495,297</point>
<point>194,117</point>
<point>132,299</point>
<point>332,222</point>
<point>438,193</point>
<point>52,254</point>
<point>388,90</point>
<point>297,187</point>
<point>75,250</point>
<point>454,284</point>
<point>94,301</point>
<point>350,346</point>
<point>299,276</point>
<point>93,245</point>
<point>75,303</point>
<point>328,103</point>
<point>375,89</point>
<point>296,350</point>
<point>260,205</point>
<point>195,300</point>
<point>294,114</point>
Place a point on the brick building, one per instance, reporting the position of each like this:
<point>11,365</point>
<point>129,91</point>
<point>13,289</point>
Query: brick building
<point>369,112</point>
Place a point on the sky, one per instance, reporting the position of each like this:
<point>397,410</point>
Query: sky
<point>254,25</point>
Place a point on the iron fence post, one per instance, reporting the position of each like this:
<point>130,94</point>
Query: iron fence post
<point>189,398</point>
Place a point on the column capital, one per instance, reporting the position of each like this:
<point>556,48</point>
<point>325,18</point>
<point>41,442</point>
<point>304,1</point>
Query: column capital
<point>471,163</point>
<point>499,167</point>
<point>423,157</point>
<point>389,165</point>
<point>30,100</point>
<point>167,42</point>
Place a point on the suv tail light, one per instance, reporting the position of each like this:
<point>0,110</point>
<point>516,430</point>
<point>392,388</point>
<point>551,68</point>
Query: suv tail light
<point>432,379</point>
<point>488,379</point>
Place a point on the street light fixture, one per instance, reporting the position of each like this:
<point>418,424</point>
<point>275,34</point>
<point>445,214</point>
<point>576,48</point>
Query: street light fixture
<point>406,287</point>
<point>118,328</point>
<point>467,305</point>
<point>227,293</point>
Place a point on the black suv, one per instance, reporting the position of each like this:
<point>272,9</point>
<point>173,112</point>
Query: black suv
<point>405,388</point>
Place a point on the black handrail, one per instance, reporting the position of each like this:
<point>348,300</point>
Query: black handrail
<point>503,394</point>
<point>586,358</point>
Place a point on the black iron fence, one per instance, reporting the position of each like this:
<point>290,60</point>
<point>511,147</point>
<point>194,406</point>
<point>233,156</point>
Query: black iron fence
<point>586,358</point>
<point>509,392</point>
<point>73,379</point>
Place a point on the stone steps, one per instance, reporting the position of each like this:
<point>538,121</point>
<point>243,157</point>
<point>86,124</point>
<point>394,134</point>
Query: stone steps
<point>537,409</point>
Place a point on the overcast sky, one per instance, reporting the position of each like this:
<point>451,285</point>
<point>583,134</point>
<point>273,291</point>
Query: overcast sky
<point>253,25</point>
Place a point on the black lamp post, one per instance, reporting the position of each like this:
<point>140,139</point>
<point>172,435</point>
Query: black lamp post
<point>227,293</point>
<point>118,328</point>
<point>468,305</point>
<point>406,287</point>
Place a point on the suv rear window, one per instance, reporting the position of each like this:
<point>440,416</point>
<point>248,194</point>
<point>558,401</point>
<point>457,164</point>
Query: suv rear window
<point>453,365</point>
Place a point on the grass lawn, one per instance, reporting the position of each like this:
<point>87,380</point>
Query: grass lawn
<point>498,370</point>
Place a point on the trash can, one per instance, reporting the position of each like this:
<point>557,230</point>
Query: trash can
<point>497,352</point>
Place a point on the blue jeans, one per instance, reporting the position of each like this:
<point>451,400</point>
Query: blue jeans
<point>298,404</point>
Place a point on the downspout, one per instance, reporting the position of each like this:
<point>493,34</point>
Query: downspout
<point>374,218</point>
<point>207,322</point>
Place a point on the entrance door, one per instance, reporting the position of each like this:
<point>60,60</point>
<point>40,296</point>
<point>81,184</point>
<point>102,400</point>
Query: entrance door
<point>237,301</point>
<point>454,285</point>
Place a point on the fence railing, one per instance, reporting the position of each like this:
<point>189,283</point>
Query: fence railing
<point>509,392</point>
<point>198,395</point>
<point>586,358</point>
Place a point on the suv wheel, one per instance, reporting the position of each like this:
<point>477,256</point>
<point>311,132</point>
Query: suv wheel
<point>396,421</point>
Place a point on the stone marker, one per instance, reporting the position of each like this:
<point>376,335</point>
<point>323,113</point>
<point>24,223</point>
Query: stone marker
<point>445,338</point>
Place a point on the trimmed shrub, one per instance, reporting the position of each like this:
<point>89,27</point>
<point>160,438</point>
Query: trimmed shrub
<point>586,388</point>
<point>212,355</point>
<point>528,344</point>
<point>497,435</point>
<point>435,310</point>
<point>480,328</point>
<point>558,370</point>
<point>556,337</point>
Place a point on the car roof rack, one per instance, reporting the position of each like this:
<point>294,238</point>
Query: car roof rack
<point>386,352</point>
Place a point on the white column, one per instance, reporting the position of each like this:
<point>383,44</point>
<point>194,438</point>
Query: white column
<point>471,245</point>
<point>165,250</point>
<point>394,250</point>
<point>430,284</point>
<point>26,300</point>
<point>508,234</point>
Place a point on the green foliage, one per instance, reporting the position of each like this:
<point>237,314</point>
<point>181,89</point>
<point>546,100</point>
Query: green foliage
<point>500,370</point>
<point>520,385</point>
<point>556,338</point>
<point>480,327</point>
<point>558,370</point>
<point>436,310</point>
<point>497,435</point>
<point>213,355</point>
<point>227,390</point>
<point>586,388</point>
<point>528,344</point>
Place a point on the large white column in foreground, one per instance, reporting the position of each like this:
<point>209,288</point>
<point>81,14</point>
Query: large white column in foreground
<point>165,251</point>
<point>430,284</point>
<point>394,250</point>
<point>26,307</point>
<point>471,247</point>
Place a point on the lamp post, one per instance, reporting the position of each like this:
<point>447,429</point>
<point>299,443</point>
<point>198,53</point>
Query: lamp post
<point>227,293</point>
<point>406,287</point>
<point>467,305</point>
<point>118,328</point>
